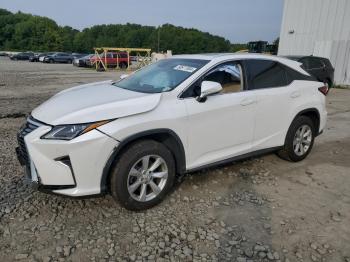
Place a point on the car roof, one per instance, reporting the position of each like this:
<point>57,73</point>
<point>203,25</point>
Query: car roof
<point>227,56</point>
<point>294,57</point>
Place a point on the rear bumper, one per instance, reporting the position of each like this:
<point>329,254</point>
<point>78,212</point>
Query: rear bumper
<point>323,121</point>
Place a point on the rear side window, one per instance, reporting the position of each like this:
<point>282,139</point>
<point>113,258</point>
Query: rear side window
<point>265,74</point>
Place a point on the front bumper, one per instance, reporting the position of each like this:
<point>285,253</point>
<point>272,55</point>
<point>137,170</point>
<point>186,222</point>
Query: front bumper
<point>72,168</point>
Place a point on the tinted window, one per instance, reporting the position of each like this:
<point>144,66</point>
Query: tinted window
<point>228,75</point>
<point>265,74</point>
<point>292,75</point>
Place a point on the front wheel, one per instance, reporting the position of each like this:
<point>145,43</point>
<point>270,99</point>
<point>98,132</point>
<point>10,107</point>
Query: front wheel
<point>143,175</point>
<point>299,140</point>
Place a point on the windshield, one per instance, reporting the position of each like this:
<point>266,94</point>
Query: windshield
<point>161,76</point>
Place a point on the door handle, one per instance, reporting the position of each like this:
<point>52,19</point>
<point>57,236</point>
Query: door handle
<point>246,102</point>
<point>295,94</point>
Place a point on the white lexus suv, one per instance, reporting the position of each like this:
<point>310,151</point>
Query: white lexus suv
<point>133,137</point>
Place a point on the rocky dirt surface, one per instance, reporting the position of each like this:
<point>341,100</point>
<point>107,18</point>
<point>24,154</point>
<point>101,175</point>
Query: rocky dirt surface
<point>262,209</point>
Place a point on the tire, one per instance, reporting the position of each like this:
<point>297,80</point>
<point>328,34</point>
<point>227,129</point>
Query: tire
<point>127,187</point>
<point>51,61</point>
<point>291,151</point>
<point>69,61</point>
<point>123,65</point>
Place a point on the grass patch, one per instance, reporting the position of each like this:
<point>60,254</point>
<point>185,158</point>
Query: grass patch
<point>341,86</point>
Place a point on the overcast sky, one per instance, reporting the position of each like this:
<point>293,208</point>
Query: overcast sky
<point>237,20</point>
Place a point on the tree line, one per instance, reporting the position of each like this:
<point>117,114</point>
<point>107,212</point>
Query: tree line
<point>26,32</point>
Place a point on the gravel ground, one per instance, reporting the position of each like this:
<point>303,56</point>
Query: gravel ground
<point>262,209</point>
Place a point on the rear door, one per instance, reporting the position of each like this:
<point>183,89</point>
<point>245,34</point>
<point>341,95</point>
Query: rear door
<point>58,57</point>
<point>64,57</point>
<point>268,82</point>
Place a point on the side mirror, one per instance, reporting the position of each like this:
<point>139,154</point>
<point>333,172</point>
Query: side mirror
<point>208,88</point>
<point>124,76</point>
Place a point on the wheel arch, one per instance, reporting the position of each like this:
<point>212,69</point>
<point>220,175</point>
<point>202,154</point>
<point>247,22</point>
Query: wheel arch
<point>313,114</point>
<point>163,135</point>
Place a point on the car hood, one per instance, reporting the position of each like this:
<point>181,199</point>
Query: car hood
<point>94,102</point>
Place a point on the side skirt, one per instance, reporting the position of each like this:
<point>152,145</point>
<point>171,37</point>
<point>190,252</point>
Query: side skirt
<point>236,158</point>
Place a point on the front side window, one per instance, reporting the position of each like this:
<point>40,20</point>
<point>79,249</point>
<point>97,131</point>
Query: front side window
<point>229,75</point>
<point>265,74</point>
<point>161,76</point>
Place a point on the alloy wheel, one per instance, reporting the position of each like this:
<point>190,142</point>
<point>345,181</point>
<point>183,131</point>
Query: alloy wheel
<point>302,140</point>
<point>147,178</point>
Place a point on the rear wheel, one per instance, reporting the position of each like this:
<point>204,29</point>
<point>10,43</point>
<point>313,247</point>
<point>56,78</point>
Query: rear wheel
<point>299,140</point>
<point>143,175</point>
<point>51,61</point>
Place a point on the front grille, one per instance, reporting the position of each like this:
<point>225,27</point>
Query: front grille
<point>28,127</point>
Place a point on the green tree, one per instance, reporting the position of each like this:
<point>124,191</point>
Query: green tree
<point>21,31</point>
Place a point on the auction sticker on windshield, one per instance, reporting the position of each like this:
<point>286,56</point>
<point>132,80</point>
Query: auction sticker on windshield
<point>184,68</point>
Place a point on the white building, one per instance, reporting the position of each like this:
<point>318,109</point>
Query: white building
<point>319,28</point>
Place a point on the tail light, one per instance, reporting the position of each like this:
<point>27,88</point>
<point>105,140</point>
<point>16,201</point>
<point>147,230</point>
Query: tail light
<point>324,90</point>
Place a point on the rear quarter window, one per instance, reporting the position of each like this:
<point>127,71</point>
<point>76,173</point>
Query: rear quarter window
<point>292,75</point>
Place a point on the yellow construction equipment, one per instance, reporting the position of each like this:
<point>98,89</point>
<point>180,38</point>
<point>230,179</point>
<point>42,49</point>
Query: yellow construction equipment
<point>143,56</point>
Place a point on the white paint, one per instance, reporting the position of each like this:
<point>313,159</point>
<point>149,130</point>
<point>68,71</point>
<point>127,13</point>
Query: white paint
<point>224,126</point>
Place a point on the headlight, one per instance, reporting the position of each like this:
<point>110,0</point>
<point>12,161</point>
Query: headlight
<point>68,132</point>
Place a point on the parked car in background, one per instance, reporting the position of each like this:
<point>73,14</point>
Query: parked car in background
<point>133,137</point>
<point>112,59</point>
<point>59,58</point>
<point>82,61</point>
<point>43,55</point>
<point>78,55</point>
<point>320,67</point>
<point>35,57</point>
<point>22,56</point>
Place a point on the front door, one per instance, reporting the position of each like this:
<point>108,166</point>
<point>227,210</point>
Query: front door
<point>223,126</point>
